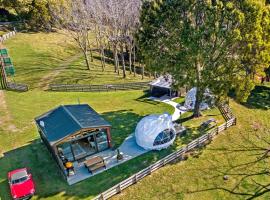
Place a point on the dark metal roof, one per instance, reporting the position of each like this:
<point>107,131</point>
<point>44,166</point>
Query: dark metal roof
<point>68,119</point>
<point>163,82</point>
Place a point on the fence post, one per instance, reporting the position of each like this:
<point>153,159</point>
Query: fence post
<point>119,188</point>
<point>101,196</point>
<point>198,142</point>
<point>135,178</point>
<point>209,137</point>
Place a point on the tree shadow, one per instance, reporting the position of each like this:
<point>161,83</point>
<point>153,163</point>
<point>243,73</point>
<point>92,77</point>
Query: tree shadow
<point>259,98</point>
<point>48,178</point>
<point>145,99</point>
<point>247,177</point>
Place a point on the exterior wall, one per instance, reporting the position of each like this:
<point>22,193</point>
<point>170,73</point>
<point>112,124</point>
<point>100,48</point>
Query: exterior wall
<point>53,153</point>
<point>53,149</point>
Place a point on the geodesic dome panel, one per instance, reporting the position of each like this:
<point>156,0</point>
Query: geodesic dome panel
<point>155,132</point>
<point>190,99</point>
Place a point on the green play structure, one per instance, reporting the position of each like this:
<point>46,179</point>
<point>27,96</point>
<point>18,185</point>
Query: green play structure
<point>7,63</point>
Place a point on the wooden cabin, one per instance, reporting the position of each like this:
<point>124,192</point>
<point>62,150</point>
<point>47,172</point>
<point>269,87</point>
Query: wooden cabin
<point>74,132</point>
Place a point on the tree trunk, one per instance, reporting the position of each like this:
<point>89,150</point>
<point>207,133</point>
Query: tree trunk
<point>86,59</point>
<point>116,60</point>
<point>91,54</point>
<point>134,61</point>
<point>102,57</point>
<point>199,92</point>
<point>123,61</point>
<point>142,71</point>
<point>130,58</point>
<point>196,112</point>
<point>90,49</point>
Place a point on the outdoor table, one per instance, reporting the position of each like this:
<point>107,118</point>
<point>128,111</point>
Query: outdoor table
<point>94,163</point>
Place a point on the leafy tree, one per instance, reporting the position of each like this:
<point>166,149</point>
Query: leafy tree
<point>206,44</point>
<point>192,40</point>
<point>253,46</point>
<point>34,13</point>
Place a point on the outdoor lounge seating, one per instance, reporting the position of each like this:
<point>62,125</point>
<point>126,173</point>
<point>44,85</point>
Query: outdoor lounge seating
<point>3,52</point>
<point>208,124</point>
<point>94,163</point>
<point>7,61</point>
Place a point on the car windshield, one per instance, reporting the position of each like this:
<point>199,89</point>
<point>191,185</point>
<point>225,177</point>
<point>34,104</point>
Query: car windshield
<point>19,177</point>
<point>20,180</point>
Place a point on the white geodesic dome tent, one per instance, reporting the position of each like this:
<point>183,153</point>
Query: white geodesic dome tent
<point>190,99</point>
<point>155,132</point>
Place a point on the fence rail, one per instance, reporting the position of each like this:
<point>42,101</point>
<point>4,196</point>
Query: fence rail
<point>19,87</point>
<point>7,36</point>
<point>98,88</point>
<point>175,155</point>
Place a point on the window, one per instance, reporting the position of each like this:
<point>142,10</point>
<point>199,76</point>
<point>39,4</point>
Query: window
<point>164,137</point>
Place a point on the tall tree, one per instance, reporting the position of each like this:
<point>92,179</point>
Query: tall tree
<point>253,45</point>
<point>192,40</point>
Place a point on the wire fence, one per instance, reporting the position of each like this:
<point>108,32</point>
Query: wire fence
<point>98,88</point>
<point>177,155</point>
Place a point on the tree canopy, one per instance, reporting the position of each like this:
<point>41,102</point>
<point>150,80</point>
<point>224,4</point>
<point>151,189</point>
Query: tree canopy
<point>202,43</point>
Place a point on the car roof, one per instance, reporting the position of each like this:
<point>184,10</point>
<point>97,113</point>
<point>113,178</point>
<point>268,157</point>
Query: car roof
<point>19,174</point>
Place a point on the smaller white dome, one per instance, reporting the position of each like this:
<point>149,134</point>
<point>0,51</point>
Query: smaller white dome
<point>190,99</point>
<point>155,132</point>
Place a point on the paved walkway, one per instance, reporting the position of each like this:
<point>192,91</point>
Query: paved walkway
<point>168,100</point>
<point>129,149</point>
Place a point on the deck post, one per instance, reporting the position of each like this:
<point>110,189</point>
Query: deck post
<point>109,137</point>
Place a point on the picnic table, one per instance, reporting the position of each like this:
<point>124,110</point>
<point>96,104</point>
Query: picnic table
<point>94,163</point>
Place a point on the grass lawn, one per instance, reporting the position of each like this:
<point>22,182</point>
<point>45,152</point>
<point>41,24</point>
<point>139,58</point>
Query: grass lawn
<point>41,58</point>
<point>179,100</point>
<point>22,147</point>
<point>44,58</point>
<point>201,177</point>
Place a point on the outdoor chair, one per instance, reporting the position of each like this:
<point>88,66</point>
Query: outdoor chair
<point>7,61</point>
<point>3,52</point>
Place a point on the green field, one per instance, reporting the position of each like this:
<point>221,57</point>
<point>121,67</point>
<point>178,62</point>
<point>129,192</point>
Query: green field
<point>233,153</point>
<point>20,144</point>
<point>41,59</point>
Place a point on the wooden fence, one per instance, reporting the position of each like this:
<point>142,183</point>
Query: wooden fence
<point>19,87</point>
<point>164,161</point>
<point>98,88</point>
<point>7,36</point>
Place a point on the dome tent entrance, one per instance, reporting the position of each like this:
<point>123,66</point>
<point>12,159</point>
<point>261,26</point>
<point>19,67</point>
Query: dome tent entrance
<point>155,132</point>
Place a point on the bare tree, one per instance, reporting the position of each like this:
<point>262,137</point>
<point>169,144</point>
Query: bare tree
<point>118,20</point>
<point>73,17</point>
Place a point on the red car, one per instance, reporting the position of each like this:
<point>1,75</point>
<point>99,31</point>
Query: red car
<point>21,184</point>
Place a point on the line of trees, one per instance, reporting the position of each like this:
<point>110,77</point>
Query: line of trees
<point>112,22</point>
<point>214,44</point>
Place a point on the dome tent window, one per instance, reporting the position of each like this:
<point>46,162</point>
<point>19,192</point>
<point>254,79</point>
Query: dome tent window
<point>164,137</point>
<point>155,132</point>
